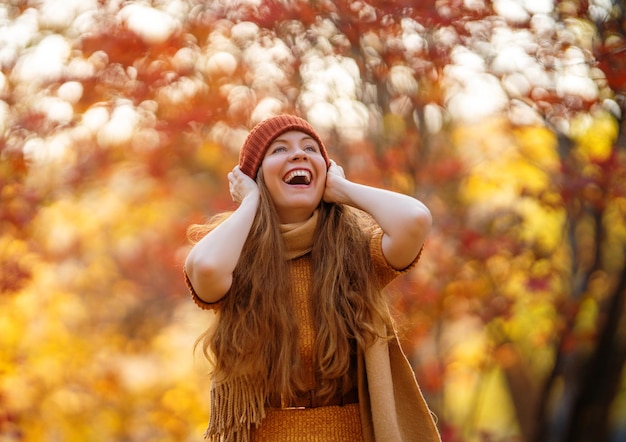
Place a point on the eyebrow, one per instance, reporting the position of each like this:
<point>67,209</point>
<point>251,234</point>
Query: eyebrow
<point>282,140</point>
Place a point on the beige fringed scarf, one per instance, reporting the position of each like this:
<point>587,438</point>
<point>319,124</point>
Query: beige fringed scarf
<point>299,236</point>
<point>238,405</point>
<point>391,404</point>
<point>235,407</point>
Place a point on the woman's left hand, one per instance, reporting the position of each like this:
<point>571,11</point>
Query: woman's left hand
<point>335,178</point>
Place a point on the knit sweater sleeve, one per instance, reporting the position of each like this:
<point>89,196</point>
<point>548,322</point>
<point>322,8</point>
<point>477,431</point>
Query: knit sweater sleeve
<point>384,271</point>
<point>199,302</point>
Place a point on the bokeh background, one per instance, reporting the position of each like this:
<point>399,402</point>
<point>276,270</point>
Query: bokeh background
<point>119,121</point>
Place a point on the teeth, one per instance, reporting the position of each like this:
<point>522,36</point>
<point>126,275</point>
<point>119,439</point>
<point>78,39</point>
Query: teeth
<point>298,173</point>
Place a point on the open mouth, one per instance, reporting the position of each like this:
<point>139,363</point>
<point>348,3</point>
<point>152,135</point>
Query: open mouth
<point>298,177</point>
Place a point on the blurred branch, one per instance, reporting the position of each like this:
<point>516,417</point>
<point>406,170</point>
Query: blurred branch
<point>602,374</point>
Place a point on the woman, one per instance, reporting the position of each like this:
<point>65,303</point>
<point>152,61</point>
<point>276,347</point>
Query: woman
<point>304,348</point>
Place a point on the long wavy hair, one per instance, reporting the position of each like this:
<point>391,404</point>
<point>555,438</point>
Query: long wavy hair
<point>256,334</point>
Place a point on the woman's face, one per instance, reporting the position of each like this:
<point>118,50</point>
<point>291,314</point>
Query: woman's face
<point>294,171</point>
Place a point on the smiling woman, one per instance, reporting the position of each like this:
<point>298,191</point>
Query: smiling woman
<point>304,348</point>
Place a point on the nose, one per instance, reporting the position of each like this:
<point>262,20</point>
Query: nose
<point>299,154</point>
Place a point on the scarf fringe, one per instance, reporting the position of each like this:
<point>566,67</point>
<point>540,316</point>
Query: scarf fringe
<point>235,407</point>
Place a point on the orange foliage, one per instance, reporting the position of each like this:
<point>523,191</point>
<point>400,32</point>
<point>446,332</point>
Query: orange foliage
<point>520,277</point>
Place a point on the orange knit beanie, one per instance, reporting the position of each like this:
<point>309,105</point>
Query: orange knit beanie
<point>262,135</point>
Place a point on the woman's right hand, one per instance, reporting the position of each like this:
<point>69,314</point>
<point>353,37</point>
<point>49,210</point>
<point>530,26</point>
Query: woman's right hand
<point>241,185</point>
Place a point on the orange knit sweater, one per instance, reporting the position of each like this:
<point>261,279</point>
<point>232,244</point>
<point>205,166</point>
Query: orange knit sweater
<point>393,411</point>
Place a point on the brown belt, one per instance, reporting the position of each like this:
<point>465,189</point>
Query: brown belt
<point>309,399</point>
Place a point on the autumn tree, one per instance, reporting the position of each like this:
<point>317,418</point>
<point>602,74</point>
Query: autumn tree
<point>119,124</point>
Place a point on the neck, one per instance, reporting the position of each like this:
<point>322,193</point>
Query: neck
<point>294,216</point>
<point>298,236</point>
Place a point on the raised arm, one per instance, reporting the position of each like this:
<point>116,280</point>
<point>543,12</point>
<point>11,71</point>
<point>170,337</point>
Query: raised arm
<point>211,262</point>
<point>405,220</point>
